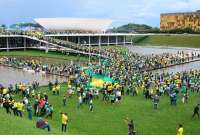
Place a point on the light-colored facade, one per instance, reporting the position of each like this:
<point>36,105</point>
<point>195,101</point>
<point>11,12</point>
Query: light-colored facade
<point>171,21</point>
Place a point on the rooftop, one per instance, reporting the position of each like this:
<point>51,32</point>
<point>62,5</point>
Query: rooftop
<point>73,24</point>
<point>182,13</point>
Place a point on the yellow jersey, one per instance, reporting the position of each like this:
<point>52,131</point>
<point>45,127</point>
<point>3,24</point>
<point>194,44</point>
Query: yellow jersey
<point>180,131</point>
<point>20,106</point>
<point>57,87</point>
<point>64,119</point>
<point>109,88</point>
<point>5,91</point>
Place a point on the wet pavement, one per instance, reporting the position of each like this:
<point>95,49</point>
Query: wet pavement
<point>180,68</point>
<point>149,50</point>
<point>9,75</point>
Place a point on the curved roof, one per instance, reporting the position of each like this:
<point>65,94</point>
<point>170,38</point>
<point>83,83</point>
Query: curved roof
<point>64,24</point>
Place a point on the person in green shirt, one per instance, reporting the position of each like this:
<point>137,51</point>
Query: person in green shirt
<point>112,98</point>
<point>29,110</point>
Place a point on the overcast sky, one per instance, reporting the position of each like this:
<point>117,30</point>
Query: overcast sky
<point>120,11</point>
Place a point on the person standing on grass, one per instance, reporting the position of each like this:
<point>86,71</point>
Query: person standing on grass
<point>196,111</point>
<point>29,110</point>
<point>131,126</point>
<point>156,101</point>
<point>185,98</point>
<point>56,82</point>
<point>91,105</point>
<point>80,101</point>
<point>57,89</point>
<point>112,97</point>
<point>180,129</point>
<point>118,95</point>
<point>20,107</point>
<point>64,120</point>
<point>36,107</point>
<point>64,101</point>
<point>51,111</point>
<point>173,98</point>
<point>54,90</point>
<point>50,85</point>
<point>46,97</point>
<point>14,108</point>
<point>7,106</point>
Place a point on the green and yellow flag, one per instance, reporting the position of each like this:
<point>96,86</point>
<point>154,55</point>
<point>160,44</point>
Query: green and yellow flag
<point>97,80</point>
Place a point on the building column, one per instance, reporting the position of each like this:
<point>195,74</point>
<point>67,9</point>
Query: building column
<point>67,38</point>
<point>124,40</point>
<point>116,40</point>
<point>108,43</point>
<point>99,50</point>
<point>40,46</point>
<point>89,48</point>
<point>79,40</point>
<point>7,44</point>
<point>131,40</point>
<point>47,48</point>
<point>24,44</point>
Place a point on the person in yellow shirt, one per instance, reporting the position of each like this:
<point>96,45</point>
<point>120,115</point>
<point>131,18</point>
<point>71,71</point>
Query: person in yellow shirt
<point>20,106</point>
<point>180,130</point>
<point>109,89</point>
<point>54,90</point>
<point>57,89</point>
<point>64,120</point>
<point>5,91</point>
<point>14,108</point>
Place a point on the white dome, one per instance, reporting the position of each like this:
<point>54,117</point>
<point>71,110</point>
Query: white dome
<point>64,24</point>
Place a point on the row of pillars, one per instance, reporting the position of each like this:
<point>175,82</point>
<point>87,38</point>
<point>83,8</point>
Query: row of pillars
<point>8,47</point>
<point>24,45</point>
<point>99,44</point>
<point>108,41</point>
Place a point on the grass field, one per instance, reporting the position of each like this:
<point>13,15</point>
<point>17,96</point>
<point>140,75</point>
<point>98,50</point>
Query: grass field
<point>108,119</point>
<point>38,53</point>
<point>167,40</point>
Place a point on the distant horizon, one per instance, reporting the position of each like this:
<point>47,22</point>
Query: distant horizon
<point>121,12</point>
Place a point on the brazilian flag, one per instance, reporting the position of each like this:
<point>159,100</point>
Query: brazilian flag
<point>97,80</point>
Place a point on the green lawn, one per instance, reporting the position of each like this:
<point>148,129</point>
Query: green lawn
<point>169,40</point>
<point>38,53</point>
<point>108,119</point>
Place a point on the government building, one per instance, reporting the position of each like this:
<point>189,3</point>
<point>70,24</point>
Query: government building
<point>169,21</point>
<point>73,35</point>
<point>65,33</point>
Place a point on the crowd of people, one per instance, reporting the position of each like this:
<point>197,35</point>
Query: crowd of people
<point>82,48</point>
<point>119,61</point>
<point>36,66</point>
<point>132,75</point>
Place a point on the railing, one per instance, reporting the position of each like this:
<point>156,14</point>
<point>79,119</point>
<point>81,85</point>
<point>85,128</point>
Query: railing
<point>78,48</point>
